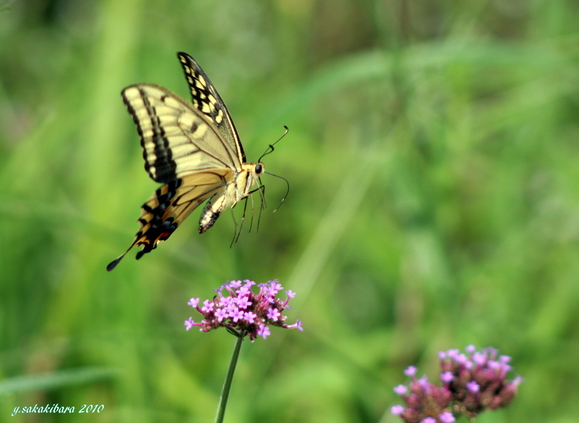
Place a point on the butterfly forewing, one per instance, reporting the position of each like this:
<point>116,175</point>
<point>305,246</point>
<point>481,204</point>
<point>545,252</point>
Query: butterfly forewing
<point>175,137</point>
<point>205,98</point>
<point>193,149</point>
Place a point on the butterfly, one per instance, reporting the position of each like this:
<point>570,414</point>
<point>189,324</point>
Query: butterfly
<point>193,149</point>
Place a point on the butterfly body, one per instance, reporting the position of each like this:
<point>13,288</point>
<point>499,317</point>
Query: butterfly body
<point>193,149</point>
<point>233,194</point>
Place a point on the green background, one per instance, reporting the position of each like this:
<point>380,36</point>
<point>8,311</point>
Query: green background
<point>434,203</point>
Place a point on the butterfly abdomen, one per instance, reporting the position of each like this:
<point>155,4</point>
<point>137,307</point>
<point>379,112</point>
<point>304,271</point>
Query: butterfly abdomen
<point>208,220</point>
<point>212,211</point>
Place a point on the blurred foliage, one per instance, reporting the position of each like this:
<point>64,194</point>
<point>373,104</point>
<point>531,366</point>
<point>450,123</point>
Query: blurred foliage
<point>434,203</point>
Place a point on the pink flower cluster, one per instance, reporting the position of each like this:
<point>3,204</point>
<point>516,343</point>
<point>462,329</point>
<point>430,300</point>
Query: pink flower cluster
<point>243,312</point>
<point>471,383</point>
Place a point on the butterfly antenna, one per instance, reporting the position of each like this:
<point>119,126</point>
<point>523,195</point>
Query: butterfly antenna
<point>261,190</point>
<point>270,148</point>
<point>286,193</point>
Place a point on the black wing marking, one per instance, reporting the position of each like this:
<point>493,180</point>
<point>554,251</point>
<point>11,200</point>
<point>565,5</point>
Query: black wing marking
<point>171,204</point>
<point>206,98</point>
<point>176,138</point>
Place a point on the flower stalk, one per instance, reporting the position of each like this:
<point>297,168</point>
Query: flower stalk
<point>228,380</point>
<point>242,313</point>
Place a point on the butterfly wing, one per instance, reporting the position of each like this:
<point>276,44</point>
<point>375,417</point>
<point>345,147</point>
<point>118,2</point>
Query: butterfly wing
<point>176,137</point>
<point>207,100</point>
<point>183,149</point>
<point>194,149</point>
<point>171,204</point>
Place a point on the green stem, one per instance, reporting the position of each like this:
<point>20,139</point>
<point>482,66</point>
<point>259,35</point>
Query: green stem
<point>228,379</point>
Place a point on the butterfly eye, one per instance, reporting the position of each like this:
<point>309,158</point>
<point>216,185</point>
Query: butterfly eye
<point>258,168</point>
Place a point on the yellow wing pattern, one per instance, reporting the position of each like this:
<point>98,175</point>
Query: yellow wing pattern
<point>193,149</point>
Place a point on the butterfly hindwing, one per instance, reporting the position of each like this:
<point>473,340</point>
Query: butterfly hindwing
<point>171,204</point>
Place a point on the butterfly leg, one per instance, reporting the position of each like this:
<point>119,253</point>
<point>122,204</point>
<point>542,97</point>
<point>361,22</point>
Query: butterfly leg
<point>261,189</point>
<point>238,228</point>
<point>236,231</point>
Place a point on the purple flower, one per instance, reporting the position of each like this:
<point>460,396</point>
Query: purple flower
<point>446,377</point>
<point>243,312</point>
<point>473,381</point>
<point>423,399</point>
<point>480,380</point>
<point>208,306</point>
<point>237,315</point>
<point>273,314</point>
<point>397,410</point>
<point>263,331</point>
<point>410,371</point>
<point>189,323</point>
<point>453,353</point>
<point>401,389</point>
<point>472,386</point>
<point>446,417</point>
<point>249,316</point>
<point>234,284</point>
<point>296,325</point>
<point>221,314</point>
<point>243,302</point>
